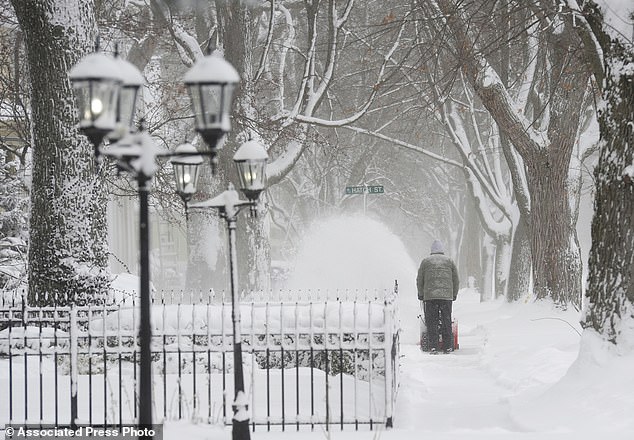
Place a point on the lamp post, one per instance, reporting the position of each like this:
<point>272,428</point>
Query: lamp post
<point>136,154</point>
<point>106,89</point>
<point>250,160</point>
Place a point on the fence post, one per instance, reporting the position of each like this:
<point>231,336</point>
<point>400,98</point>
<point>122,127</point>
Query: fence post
<point>387,359</point>
<point>73,365</point>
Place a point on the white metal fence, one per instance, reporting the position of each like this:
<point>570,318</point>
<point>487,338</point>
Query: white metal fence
<point>309,359</point>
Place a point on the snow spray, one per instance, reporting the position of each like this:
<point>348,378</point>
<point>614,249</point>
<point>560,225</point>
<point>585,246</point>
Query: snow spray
<point>357,254</point>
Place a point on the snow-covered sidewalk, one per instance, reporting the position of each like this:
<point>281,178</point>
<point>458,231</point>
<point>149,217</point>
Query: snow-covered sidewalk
<point>450,393</point>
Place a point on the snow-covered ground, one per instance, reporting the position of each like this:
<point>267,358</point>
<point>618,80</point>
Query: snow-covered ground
<point>517,374</point>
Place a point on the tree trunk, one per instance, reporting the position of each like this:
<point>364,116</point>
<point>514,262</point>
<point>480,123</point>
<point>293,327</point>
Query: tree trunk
<point>488,258</point>
<point>68,231</point>
<point>520,271</point>
<point>471,251</point>
<point>258,276</point>
<point>556,262</point>
<point>503,252</point>
<point>254,260</point>
<point>610,289</point>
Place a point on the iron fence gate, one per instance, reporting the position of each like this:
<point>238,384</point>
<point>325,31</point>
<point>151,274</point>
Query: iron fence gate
<point>309,359</point>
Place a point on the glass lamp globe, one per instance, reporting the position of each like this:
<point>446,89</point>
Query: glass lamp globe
<point>211,83</point>
<point>250,160</point>
<point>186,165</point>
<point>97,81</point>
<point>127,99</point>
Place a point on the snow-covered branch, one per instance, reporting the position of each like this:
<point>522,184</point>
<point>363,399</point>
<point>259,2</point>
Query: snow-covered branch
<point>186,44</point>
<point>490,87</point>
<point>267,45</point>
<point>404,144</point>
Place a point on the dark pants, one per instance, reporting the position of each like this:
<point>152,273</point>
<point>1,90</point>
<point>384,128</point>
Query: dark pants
<point>438,311</point>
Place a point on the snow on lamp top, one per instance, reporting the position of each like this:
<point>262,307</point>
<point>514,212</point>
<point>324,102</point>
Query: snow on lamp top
<point>130,75</point>
<point>251,150</point>
<point>96,66</point>
<point>212,69</point>
<point>227,203</point>
<point>186,154</point>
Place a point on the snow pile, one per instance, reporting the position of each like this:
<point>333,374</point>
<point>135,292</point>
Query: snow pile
<point>124,287</point>
<point>525,346</point>
<point>260,318</point>
<point>595,397</point>
<point>33,339</point>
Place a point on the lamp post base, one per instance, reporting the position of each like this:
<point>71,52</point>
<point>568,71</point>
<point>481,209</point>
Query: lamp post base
<point>240,430</point>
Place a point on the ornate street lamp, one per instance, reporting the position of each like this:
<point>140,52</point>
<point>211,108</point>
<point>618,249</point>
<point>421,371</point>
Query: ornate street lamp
<point>136,154</point>
<point>97,81</point>
<point>211,82</point>
<point>250,159</point>
<point>186,165</point>
<point>107,90</point>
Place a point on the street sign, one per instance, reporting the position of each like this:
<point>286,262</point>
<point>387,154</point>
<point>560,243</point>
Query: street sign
<point>372,189</point>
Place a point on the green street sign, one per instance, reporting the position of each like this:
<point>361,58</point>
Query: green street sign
<point>373,189</point>
<point>355,189</point>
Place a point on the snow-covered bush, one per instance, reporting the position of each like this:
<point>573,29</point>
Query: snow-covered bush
<point>13,223</point>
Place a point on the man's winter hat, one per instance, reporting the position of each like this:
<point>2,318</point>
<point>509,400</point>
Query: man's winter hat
<point>437,247</point>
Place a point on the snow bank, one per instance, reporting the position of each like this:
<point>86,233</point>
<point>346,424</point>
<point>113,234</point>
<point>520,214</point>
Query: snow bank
<point>257,317</point>
<point>595,397</point>
<point>526,346</point>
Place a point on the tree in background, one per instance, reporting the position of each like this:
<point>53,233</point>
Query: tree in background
<point>544,134</point>
<point>290,56</point>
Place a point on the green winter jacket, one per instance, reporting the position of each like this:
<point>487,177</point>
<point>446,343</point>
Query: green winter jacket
<point>437,278</point>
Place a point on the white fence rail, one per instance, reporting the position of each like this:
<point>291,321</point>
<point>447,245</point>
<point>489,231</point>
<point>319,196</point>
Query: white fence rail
<point>309,360</point>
